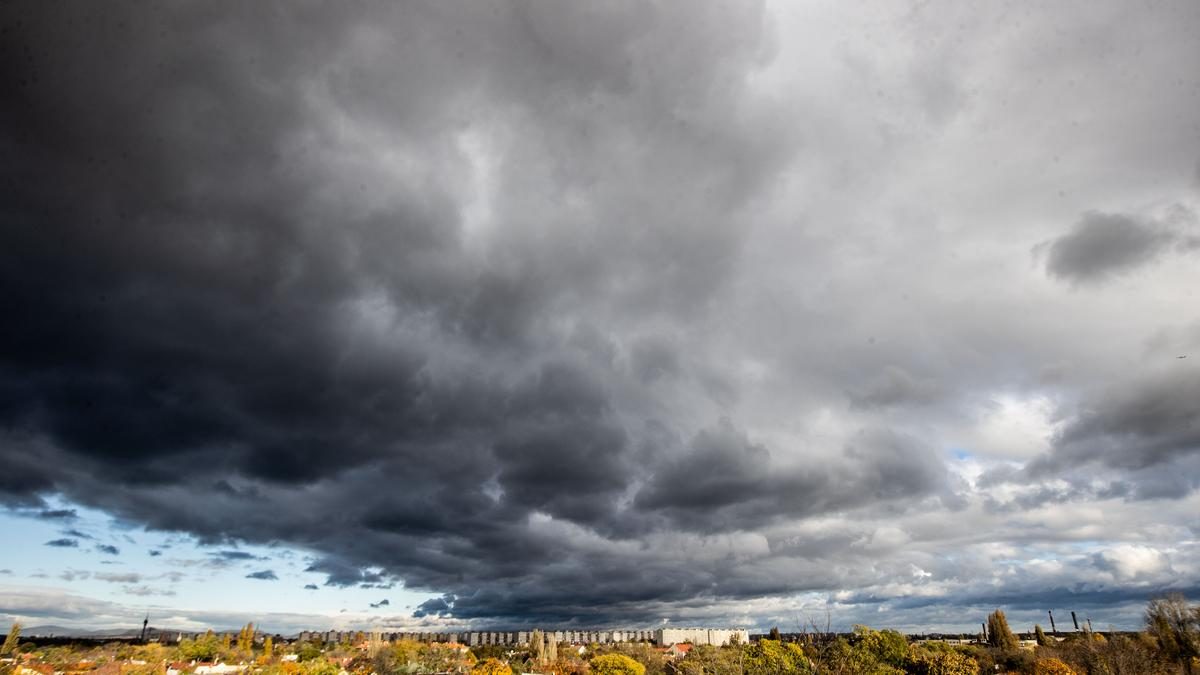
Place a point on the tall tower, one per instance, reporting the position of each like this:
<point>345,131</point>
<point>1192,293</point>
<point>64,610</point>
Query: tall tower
<point>145,623</point>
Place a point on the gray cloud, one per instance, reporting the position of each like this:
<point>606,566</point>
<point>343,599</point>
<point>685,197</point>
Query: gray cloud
<point>264,575</point>
<point>895,386</point>
<point>146,591</point>
<point>125,577</point>
<point>108,549</point>
<point>1148,421</point>
<point>63,543</point>
<point>234,556</point>
<point>558,309</point>
<point>1102,245</point>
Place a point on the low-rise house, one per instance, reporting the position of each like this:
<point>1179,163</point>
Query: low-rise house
<point>678,650</point>
<point>219,669</point>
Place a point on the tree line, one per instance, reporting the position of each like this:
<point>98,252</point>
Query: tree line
<point>1169,644</point>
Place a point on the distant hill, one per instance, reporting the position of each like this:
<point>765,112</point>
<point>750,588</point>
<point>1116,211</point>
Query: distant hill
<point>63,631</point>
<point>136,631</point>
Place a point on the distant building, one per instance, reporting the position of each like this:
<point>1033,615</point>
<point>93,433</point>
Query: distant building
<point>716,637</point>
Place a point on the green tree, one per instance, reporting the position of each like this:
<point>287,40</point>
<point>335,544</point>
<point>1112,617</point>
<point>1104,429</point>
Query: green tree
<point>320,667</point>
<point>617,664</point>
<point>882,647</point>
<point>1176,627</point>
<point>710,660</point>
<point>13,639</point>
<point>308,651</point>
<point>1043,640</point>
<point>491,667</point>
<point>203,648</point>
<point>999,634</point>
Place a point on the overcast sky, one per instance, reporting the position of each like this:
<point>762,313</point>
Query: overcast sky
<point>598,314</point>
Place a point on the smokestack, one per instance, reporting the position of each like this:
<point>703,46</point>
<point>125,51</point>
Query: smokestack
<point>1074,620</point>
<point>1053,628</point>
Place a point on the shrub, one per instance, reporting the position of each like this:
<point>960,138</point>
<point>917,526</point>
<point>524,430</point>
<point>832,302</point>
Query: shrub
<point>617,664</point>
<point>491,667</point>
<point>1051,667</point>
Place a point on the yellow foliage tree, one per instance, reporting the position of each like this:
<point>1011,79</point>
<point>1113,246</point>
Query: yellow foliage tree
<point>491,667</point>
<point>1051,667</point>
<point>617,664</point>
<point>245,640</point>
<point>13,639</point>
<point>930,662</point>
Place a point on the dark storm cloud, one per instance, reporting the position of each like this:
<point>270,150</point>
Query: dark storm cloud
<point>1145,422</point>
<point>1102,245</point>
<point>238,288</point>
<point>63,543</point>
<point>264,575</point>
<point>58,514</point>
<point>234,556</point>
<point>728,482</point>
<point>435,607</point>
<point>444,294</point>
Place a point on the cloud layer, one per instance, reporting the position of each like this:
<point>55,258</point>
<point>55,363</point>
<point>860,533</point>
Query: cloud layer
<point>615,312</point>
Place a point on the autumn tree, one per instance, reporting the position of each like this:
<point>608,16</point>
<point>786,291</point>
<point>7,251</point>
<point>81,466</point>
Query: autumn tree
<point>925,661</point>
<point>617,664</point>
<point>539,645</point>
<point>203,648</point>
<point>882,647</point>
<point>491,667</point>
<point>999,634</point>
<point>1043,640</point>
<point>318,667</point>
<point>245,640</point>
<point>1052,667</point>
<point>771,657</point>
<point>268,647</point>
<point>10,642</point>
<point>1176,627</point>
